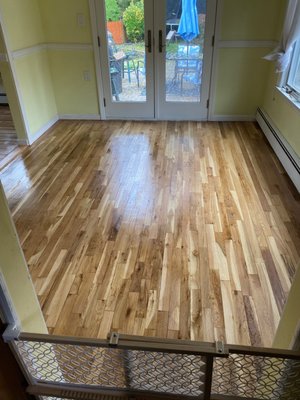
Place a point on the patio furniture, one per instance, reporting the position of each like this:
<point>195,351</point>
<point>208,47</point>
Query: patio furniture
<point>141,69</point>
<point>115,69</point>
<point>187,60</point>
<point>116,82</point>
<point>129,64</point>
<point>172,24</point>
<point>170,36</point>
<point>193,77</point>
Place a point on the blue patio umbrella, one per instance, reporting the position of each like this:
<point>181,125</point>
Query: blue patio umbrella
<point>188,26</point>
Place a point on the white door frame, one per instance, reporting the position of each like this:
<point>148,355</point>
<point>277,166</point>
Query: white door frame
<point>162,110</point>
<point>125,110</point>
<point>99,78</point>
<point>181,110</point>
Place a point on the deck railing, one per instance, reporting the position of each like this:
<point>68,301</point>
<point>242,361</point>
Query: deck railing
<point>133,367</point>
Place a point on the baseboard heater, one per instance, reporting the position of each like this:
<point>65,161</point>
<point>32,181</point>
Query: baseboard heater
<point>285,153</point>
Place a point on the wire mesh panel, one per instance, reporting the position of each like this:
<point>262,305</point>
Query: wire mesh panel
<point>86,369</point>
<point>258,377</point>
<point>82,365</point>
<point>112,368</point>
<point>53,398</point>
<point>83,397</point>
<point>49,398</point>
<point>169,373</point>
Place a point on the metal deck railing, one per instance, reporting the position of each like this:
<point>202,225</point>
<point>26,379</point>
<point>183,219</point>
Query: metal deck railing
<point>132,367</point>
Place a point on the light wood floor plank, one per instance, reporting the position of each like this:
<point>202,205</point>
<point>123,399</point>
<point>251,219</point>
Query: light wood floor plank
<point>170,229</point>
<point>9,148</point>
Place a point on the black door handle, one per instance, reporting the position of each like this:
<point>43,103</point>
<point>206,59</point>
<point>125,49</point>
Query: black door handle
<point>160,41</point>
<point>149,44</point>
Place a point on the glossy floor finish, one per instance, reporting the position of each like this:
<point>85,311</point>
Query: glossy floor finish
<point>9,148</point>
<point>179,230</point>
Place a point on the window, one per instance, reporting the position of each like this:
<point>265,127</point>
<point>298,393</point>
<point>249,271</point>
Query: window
<point>293,80</point>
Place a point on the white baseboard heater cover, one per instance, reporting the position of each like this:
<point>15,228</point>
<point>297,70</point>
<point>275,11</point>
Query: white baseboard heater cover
<point>283,150</point>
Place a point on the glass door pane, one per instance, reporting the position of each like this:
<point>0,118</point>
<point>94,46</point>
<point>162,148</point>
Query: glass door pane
<point>126,50</point>
<point>185,28</point>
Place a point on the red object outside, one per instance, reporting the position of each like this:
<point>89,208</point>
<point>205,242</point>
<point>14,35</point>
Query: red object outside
<point>116,28</point>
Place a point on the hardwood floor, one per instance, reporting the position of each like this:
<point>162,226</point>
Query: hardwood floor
<point>170,229</point>
<point>9,148</point>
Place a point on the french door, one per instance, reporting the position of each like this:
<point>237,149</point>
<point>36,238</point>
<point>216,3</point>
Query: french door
<point>156,59</point>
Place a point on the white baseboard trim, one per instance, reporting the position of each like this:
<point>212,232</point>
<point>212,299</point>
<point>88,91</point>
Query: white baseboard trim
<point>80,116</point>
<point>42,130</point>
<point>287,156</point>
<point>232,118</point>
<point>56,118</point>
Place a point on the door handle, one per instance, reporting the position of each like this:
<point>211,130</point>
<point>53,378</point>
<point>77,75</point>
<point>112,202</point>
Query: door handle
<point>149,44</point>
<point>160,41</point>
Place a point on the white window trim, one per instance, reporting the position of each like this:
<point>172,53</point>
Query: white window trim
<point>292,70</point>
<point>283,84</point>
<point>288,96</point>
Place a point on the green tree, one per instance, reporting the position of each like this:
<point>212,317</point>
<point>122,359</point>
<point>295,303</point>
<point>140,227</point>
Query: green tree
<point>133,19</point>
<point>123,4</point>
<point>113,12</point>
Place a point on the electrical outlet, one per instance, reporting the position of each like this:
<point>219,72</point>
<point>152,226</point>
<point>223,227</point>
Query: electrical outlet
<point>81,20</point>
<point>86,75</point>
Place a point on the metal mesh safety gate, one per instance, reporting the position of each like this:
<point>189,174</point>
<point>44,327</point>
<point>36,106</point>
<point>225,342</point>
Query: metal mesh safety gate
<point>158,372</point>
<point>130,367</point>
<point>256,376</point>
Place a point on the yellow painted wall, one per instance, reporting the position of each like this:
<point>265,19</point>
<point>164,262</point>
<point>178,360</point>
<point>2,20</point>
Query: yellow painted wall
<point>291,317</point>
<point>241,74</point>
<point>73,94</point>
<point>16,274</point>
<point>241,80</point>
<point>60,21</point>
<point>22,26</point>
<point>13,100</point>
<point>285,116</point>
<point>251,20</point>
<point>37,89</point>
<point>22,22</point>
<point>11,92</point>
<point>51,82</point>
